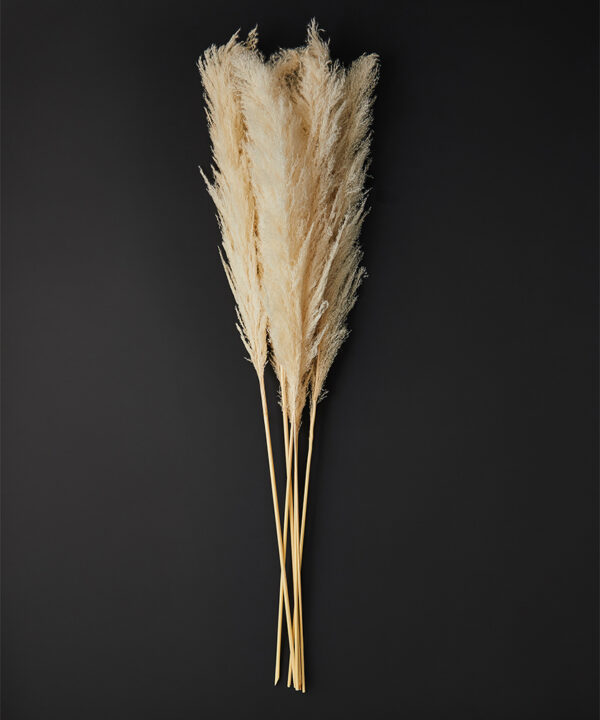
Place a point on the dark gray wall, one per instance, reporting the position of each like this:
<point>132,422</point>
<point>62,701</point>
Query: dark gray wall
<point>450,567</point>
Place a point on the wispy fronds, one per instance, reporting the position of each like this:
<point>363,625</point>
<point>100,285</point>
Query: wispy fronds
<point>281,183</point>
<point>232,193</point>
<point>347,212</point>
<point>291,139</point>
<point>235,199</point>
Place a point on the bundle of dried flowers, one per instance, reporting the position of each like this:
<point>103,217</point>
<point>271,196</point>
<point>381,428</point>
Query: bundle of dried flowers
<point>290,138</point>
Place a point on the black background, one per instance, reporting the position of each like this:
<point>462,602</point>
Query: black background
<point>450,567</point>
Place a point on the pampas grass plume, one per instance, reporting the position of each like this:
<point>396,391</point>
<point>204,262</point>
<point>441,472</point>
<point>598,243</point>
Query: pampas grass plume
<point>290,139</point>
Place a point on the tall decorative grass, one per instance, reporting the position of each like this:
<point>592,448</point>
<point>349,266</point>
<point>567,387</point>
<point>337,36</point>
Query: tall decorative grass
<point>290,138</point>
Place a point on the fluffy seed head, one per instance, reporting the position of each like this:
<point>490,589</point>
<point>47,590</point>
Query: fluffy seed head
<point>291,139</point>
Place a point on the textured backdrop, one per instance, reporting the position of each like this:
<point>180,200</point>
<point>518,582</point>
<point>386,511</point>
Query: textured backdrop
<point>450,567</point>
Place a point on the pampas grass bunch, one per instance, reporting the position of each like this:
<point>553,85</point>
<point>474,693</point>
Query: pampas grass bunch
<point>290,139</point>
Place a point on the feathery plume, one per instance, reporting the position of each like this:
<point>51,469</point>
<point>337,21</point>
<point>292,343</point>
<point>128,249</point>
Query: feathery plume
<point>279,179</point>
<point>234,199</point>
<point>347,213</point>
<point>291,138</point>
<point>231,192</point>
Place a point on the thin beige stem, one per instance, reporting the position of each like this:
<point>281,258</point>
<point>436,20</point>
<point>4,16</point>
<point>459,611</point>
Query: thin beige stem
<point>298,601</point>
<point>313,414</point>
<point>286,598</point>
<point>311,435</point>
<point>290,513</point>
<point>294,548</point>
<point>286,517</point>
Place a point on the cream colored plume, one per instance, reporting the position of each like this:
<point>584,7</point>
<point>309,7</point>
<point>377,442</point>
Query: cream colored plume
<point>291,139</point>
<point>232,193</point>
<point>347,212</point>
<point>234,198</point>
<point>280,179</point>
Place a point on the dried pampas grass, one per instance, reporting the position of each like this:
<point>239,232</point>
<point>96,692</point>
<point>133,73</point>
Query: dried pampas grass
<point>290,138</point>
